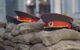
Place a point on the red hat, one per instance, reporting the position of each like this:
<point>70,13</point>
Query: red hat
<point>25,17</point>
<point>56,20</point>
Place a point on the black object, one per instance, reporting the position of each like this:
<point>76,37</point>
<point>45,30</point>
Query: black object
<point>2,49</point>
<point>53,29</point>
<point>55,17</point>
<point>75,27</point>
<point>12,20</point>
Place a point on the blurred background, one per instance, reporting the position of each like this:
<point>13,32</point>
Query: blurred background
<point>37,7</point>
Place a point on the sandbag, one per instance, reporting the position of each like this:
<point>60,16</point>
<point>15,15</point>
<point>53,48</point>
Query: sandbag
<point>66,45</point>
<point>52,37</point>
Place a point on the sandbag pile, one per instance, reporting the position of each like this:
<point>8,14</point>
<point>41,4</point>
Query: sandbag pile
<point>30,36</point>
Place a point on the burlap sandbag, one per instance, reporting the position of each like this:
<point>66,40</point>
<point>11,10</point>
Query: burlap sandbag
<point>52,37</point>
<point>38,46</point>
<point>22,38</point>
<point>66,45</point>
<point>24,28</point>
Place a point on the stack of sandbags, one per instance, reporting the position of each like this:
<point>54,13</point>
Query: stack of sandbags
<point>30,36</point>
<point>46,38</point>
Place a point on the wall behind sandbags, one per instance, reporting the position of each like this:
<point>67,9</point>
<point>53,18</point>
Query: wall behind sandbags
<point>2,11</point>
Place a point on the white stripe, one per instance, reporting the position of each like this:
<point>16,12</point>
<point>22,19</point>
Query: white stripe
<point>52,6</point>
<point>37,7</point>
<point>73,6</point>
<point>57,8</point>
